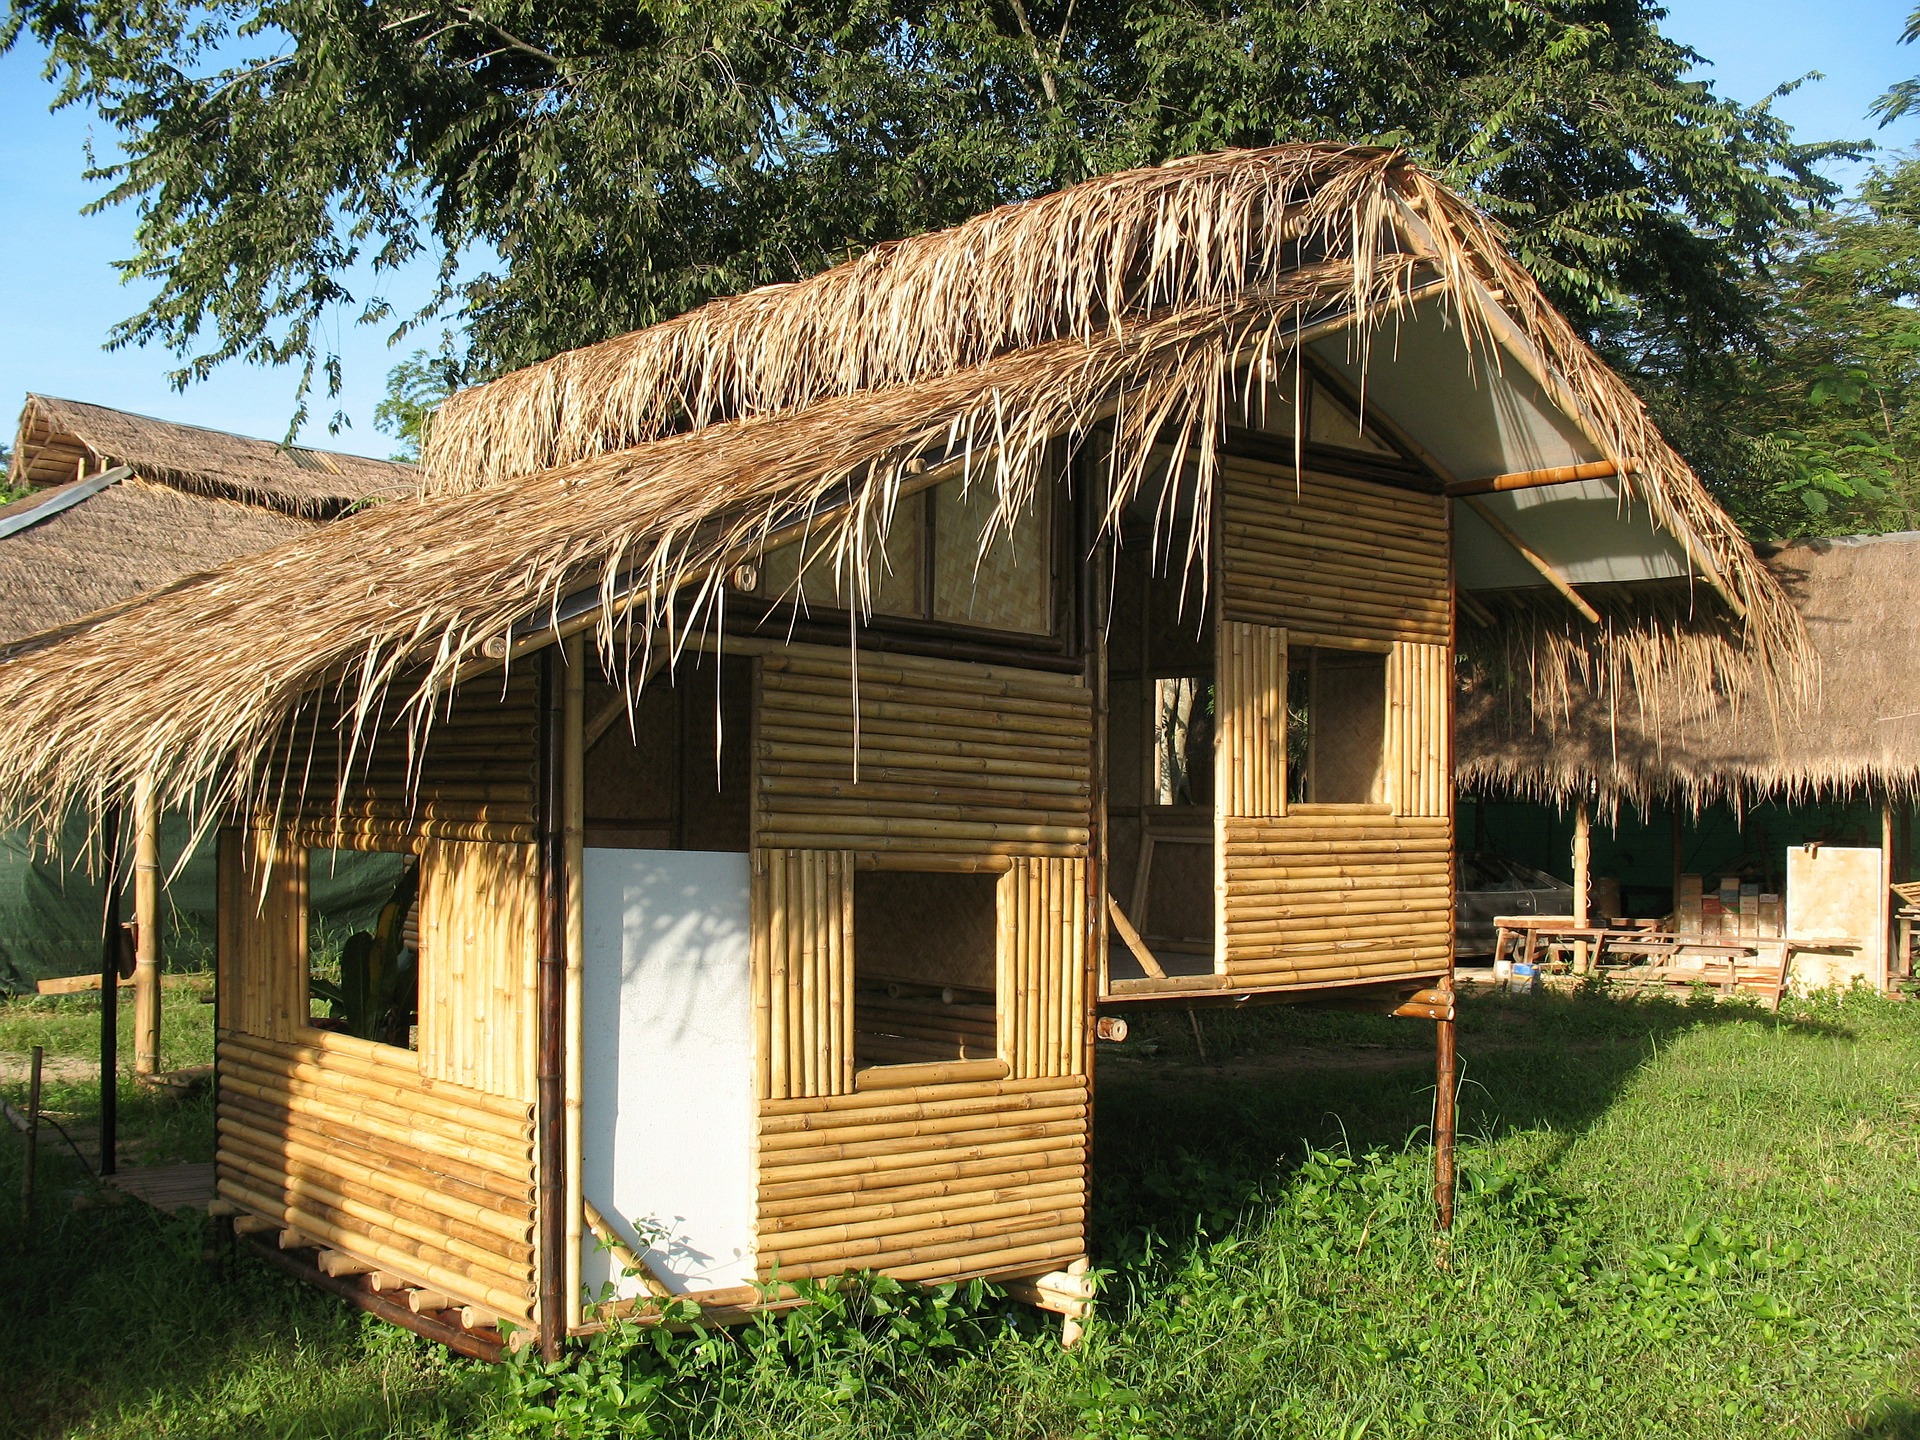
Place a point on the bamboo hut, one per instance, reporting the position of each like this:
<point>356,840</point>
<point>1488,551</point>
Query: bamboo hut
<point>1653,710</point>
<point>793,725</point>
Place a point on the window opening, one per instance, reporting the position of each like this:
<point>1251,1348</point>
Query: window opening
<point>925,966</point>
<point>1336,726</point>
<point>363,945</point>
<point>1183,725</point>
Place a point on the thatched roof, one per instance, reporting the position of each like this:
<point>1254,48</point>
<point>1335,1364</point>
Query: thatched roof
<point>1699,730</point>
<point>62,440</point>
<point>614,487</point>
<point>128,539</point>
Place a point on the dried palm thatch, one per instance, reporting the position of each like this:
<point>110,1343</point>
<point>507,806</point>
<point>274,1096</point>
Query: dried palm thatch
<point>59,440</point>
<point>129,540</point>
<point>1669,706</point>
<point>643,470</point>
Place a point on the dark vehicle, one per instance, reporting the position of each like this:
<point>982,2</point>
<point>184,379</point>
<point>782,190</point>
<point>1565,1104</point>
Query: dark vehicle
<point>1492,885</point>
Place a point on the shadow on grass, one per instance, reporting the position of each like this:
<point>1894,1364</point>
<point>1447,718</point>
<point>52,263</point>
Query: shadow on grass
<point>1892,1417</point>
<point>1184,1142</point>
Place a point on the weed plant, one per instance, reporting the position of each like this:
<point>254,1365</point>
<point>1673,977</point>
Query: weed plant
<point>1674,1219</point>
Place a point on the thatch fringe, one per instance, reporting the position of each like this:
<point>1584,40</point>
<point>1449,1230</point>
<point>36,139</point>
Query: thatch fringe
<point>652,532</point>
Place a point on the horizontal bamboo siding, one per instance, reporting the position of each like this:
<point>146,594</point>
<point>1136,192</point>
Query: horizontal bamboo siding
<point>475,781</point>
<point>803,972</point>
<point>1333,557</point>
<point>1252,722</point>
<point>479,928</point>
<point>1326,897</point>
<point>370,1149</point>
<point>955,759</point>
<point>1043,967</point>
<point>928,1183</point>
<point>1328,894</point>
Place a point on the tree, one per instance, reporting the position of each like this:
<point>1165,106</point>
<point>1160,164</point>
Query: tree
<point>611,166</point>
<point>1817,430</point>
<point>415,388</point>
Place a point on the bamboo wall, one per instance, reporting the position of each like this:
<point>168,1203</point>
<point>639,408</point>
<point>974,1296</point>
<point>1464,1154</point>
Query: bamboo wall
<point>479,923</point>
<point>420,1163</point>
<point>1251,778</point>
<point>955,759</point>
<point>803,972</point>
<point>925,1182</point>
<point>1325,894</point>
<point>1337,558</point>
<point>933,1170</point>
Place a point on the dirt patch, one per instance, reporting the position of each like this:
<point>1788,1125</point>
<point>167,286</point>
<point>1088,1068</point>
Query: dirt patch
<point>17,1065</point>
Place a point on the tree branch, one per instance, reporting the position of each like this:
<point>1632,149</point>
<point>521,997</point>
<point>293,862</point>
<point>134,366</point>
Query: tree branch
<point>1040,65</point>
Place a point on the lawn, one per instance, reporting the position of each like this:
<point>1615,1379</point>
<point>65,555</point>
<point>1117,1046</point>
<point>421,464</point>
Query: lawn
<point>1681,1219</point>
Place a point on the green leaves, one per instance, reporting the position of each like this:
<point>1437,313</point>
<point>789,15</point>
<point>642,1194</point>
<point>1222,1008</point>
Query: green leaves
<point>597,170</point>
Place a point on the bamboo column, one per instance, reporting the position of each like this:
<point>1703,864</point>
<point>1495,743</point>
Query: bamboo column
<point>1443,1115</point>
<point>146,929</point>
<point>1582,877</point>
<point>550,1121</point>
<point>1676,843</point>
<point>1886,892</point>
<point>573,828</point>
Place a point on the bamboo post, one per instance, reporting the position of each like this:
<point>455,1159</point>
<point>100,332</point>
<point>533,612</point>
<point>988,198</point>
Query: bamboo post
<point>550,1008</point>
<point>146,929</point>
<point>1582,878</point>
<point>1676,843</point>
<point>573,825</point>
<point>1443,1117</point>
<point>31,1163</point>
<point>1886,892</point>
<point>109,989</point>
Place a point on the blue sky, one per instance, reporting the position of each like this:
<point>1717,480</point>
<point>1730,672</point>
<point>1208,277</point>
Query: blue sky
<point>59,294</point>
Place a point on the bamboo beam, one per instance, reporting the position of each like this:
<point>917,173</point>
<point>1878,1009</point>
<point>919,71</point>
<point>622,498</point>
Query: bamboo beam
<point>1534,558</point>
<point>1531,479</point>
<point>1130,937</point>
<point>624,1254</point>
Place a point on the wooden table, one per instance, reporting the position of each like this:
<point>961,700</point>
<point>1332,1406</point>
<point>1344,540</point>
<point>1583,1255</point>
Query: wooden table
<point>1533,937</point>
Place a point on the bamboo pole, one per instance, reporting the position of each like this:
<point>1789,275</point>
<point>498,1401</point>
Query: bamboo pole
<point>940,1072</point>
<point>1582,876</point>
<point>110,990</point>
<point>624,1254</point>
<point>146,921</point>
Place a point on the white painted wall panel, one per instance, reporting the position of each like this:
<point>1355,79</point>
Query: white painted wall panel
<point>667,1060</point>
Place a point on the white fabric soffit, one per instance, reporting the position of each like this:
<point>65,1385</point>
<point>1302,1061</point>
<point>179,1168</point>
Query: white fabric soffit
<point>1476,417</point>
<point>1480,419</point>
<point>1580,528</point>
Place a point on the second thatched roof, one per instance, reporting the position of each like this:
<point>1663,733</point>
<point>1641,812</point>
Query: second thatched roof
<point>615,488</point>
<point>61,440</point>
<point>1693,731</point>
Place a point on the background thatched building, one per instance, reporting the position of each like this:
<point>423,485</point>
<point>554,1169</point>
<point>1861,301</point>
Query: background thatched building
<point>120,506</point>
<point>1692,769</point>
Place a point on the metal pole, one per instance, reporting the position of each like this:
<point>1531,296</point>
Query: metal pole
<point>550,1005</point>
<point>110,990</point>
<point>33,1134</point>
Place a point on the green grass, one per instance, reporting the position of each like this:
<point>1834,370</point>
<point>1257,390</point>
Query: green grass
<point>1674,1219</point>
